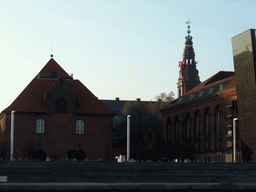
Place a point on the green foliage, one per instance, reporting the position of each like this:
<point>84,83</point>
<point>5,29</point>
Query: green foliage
<point>119,130</point>
<point>144,114</point>
<point>165,97</point>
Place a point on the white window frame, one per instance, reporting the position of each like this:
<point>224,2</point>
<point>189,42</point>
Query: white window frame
<point>40,126</point>
<point>79,127</point>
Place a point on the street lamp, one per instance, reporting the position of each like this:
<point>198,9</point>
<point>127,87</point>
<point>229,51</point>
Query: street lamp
<point>12,134</point>
<point>128,137</point>
<point>234,139</point>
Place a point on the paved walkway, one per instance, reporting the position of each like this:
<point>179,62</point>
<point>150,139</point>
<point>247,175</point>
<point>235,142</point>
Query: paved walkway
<point>124,186</point>
<point>85,176</point>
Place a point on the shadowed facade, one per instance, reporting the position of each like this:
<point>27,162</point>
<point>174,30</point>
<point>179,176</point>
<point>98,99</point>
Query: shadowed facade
<point>198,124</point>
<point>57,115</point>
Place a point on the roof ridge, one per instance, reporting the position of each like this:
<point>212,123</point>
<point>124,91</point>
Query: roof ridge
<point>208,83</point>
<point>218,76</point>
<point>52,69</point>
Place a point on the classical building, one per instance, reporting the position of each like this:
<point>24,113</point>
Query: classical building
<point>57,116</point>
<point>198,124</point>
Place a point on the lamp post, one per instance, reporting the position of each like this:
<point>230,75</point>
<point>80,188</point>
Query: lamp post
<point>12,134</point>
<point>128,137</point>
<point>234,139</point>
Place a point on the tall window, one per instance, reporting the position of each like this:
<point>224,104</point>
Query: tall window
<point>61,106</point>
<point>168,130</point>
<point>176,130</point>
<point>218,128</point>
<point>197,130</point>
<point>149,137</point>
<point>79,127</point>
<point>40,126</point>
<point>188,129</point>
<point>207,129</point>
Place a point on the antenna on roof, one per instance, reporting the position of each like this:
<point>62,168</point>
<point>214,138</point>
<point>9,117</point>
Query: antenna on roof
<point>51,52</point>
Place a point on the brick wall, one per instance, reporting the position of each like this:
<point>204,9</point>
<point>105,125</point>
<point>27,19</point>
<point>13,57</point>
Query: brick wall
<point>60,135</point>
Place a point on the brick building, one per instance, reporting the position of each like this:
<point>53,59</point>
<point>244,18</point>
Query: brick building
<point>57,116</point>
<point>145,143</point>
<point>198,124</point>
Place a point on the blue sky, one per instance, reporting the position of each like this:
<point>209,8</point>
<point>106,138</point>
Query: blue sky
<point>117,48</point>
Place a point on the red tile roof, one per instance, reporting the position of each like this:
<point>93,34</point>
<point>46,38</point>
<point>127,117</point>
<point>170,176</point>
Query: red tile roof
<point>52,66</point>
<point>31,98</point>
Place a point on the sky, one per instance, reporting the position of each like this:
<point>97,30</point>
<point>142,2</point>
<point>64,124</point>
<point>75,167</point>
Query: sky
<point>117,48</point>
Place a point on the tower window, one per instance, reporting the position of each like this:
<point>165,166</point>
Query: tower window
<point>40,126</point>
<point>149,137</point>
<point>79,127</point>
<point>61,106</point>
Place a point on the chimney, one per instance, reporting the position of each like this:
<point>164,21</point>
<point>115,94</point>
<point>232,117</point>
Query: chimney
<point>117,98</point>
<point>138,99</point>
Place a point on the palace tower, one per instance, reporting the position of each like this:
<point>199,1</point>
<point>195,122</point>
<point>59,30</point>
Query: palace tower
<point>188,74</point>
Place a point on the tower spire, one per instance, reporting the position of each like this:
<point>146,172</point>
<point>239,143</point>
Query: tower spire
<point>188,74</point>
<point>188,38</point>
<point>188,22</point>
<point>51,52</point>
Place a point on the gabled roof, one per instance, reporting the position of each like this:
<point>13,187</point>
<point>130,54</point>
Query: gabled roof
<point>86,101</point>
<point>31,98</point>
<point>216,84</point>
<point>52,67</point>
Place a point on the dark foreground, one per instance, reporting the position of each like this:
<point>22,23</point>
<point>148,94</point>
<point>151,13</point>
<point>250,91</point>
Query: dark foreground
<point>86,176</point>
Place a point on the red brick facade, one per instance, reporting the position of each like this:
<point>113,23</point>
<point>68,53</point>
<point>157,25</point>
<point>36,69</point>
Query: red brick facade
<point>60,102</point>
<point>199,121</point>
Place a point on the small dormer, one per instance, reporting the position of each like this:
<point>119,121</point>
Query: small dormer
<point>60,98</point>
<point>54,74</point>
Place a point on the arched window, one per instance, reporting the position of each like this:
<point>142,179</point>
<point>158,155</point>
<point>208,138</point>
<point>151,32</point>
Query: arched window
<point>188,129</point>
<point>40,126</point>
<point>197,131</point>
<point>149,137</point>
<point>79,127</point>
<point>176,130</point>
<point>218,128</point>
<point>61,106</point>
<point>207,129</point>
<point>168,130</point>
